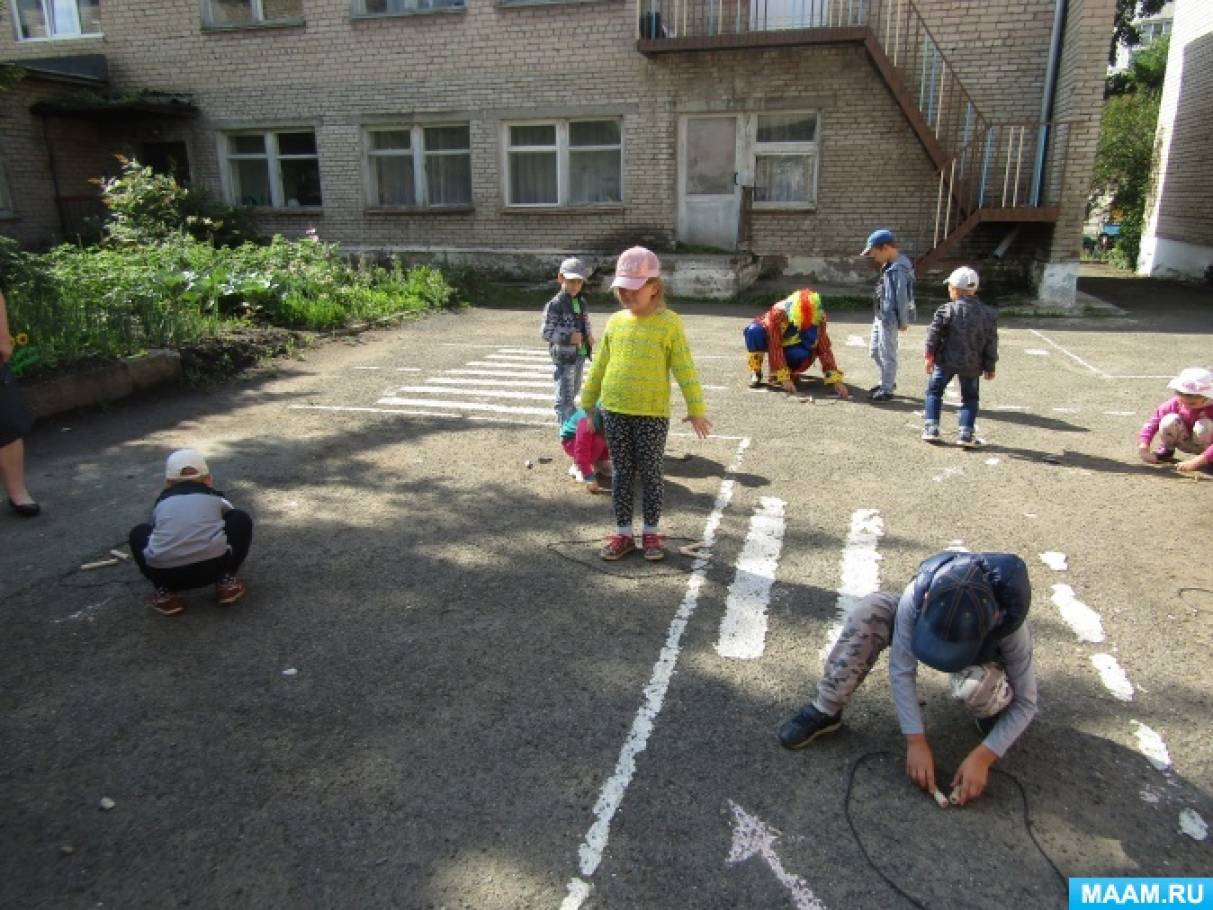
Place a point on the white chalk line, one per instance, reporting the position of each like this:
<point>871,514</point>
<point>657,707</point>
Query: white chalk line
<point>510,359</point>
<point>1113,676</point>
<point>859,570</point>
<point>395,401</point>
<point>493,347</point>
<point>497,383</point>
<point>614,788</point>
<point>1084,621</point>
<point>501,374</point>
<point>753,837</point>
<point>408,369</point>
<point>743,628</point>
<point>366,368</point>
<point>547,424</point>
<point>522,368</point>
<point>481,391</point>
<point>1045,338</point>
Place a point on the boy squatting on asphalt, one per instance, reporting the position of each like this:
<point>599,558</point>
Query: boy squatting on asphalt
<point>962,613</point>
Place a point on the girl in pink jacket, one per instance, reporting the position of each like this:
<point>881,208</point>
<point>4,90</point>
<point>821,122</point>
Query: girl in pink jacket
<point>1185,422</point>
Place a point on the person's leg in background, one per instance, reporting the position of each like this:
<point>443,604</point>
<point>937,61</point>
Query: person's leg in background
<point>165,600</point>
<point>756,346</point>
<point>12,473</point>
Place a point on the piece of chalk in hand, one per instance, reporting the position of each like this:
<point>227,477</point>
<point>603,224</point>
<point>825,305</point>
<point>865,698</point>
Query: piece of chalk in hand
<point>940,799</point>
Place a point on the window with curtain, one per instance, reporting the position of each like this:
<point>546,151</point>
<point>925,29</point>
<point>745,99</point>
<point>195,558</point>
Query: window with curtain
<point>41,19</point>
<point>221,13</point>
<point>785,160</point>
<point>564,162</point>
<point>280,169</point>
<point>396,7</point>
<point>419,166</point>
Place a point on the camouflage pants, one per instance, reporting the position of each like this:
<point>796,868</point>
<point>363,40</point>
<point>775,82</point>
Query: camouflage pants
<point>867,632</point>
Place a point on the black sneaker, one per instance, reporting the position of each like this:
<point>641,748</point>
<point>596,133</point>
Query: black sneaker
<point>880,395</point>
<point>966,440</point>
<point>806,726</point>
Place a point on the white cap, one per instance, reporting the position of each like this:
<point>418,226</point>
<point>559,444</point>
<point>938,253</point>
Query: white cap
<point>574,268</point>
<point>185,464</point>
<point>964,279</point>
<point>1193,381</point>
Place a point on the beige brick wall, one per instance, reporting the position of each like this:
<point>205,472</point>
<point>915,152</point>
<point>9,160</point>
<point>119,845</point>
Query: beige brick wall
<point>489,63</point>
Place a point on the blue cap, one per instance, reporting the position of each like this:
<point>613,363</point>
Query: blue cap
<point>876,238</point>
<point>958,614</point>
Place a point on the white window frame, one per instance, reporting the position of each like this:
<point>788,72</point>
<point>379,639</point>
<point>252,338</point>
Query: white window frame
<point>562,149</point>
<point>256,8</point>
<point>273,158</point>
<point>49,18</point>
<point>419,153</point>
<point>408,8</point>
<point>7,206</point>
<point>786,150</point>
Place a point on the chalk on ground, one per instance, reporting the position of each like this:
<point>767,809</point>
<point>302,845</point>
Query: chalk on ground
<point>120,555</point>
<point>1055,561</point>
<point>106,803</point>
<point>1193,825</point>
<point>290,671</point>
<point>99,564</point>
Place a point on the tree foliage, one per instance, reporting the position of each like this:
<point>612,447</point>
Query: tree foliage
<point>1124,29</point>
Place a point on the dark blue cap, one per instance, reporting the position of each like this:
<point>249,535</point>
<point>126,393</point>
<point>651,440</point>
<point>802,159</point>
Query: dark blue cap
<point>876,238</point>
<point>958,613</point>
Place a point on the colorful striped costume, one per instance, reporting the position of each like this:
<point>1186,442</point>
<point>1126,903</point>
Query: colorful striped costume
<point>799,322</point>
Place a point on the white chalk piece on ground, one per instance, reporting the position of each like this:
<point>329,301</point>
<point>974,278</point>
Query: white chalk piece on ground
<point>67,849</point>
<point>940,799</point>
<point>106,804</point>
<point>1191,824</point>
<point>290,671</point>
<point>99,564</point>
<point>120,555</point>
<point>1055,561</point>
<point>992,462</point>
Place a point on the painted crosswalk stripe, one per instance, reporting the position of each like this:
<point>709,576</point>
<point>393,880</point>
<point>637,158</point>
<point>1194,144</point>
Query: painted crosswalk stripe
<point>394,401</point>
<point>1077,615</point>
<point>503,374</point>
<point>417,412</point>
<point>518,358</point>
<point>859,569</point>
<point>1113,676</point>
<point>743,629</point>
<point>540,352</point>
<point>506,383</point>
<point>484,392</point>
<point>542,369</point>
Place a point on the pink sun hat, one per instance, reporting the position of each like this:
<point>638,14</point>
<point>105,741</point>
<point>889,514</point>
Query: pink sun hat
<point>635,267</point>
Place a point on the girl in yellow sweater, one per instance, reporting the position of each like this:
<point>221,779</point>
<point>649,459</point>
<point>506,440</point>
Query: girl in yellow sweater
<point>642,345</point>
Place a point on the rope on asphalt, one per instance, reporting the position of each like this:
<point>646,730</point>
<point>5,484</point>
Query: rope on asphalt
<point>600,565</point>
<point>1023,795</point>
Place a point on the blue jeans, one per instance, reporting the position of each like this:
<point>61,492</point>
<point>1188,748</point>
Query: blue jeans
<point>882,347</point>
<point>567,378</point>
<point>970,397</point>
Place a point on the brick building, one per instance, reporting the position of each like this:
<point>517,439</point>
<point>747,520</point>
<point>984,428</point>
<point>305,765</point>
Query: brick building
<point>784,128</point>
<point>1178,238</point>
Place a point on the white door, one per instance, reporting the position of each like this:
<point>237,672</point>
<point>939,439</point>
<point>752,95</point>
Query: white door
<point>709,197</point>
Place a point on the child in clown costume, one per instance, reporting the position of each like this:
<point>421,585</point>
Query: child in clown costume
<point>798,323</point>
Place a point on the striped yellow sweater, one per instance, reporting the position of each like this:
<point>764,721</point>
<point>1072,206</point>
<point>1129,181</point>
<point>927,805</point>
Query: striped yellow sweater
<point>633,362</point>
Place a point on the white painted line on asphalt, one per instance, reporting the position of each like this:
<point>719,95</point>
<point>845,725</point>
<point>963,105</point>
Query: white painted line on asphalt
<point>614,788</point>
<point>856,341</point>
<point>1141,377</point>
<point>503,374</point>
<point>1010,407</point>
<point>541,352</point>
<point>1047,340</point>
<point>366,368</point>
<point>1036,352</point>
<point>1078,616</point>
<point>1120,413</point>
<point>710,436</point>
<point>522,368</point>
<point>1067,410</point>
<point>754,837</point>
<point>1054,560</point>
<point>994,461</point>
<point>1191,824</point>
<point>1151,745</point>
<point>417,413</point>
<point>520,358</point>
<point>1113,676</point>
<point>408,369</point>
<point>743,628</point>
<point>496,383</point>
<point>393,401</point>
<point>859,570</point>
<point>957,546</point>
<point>484,392</point>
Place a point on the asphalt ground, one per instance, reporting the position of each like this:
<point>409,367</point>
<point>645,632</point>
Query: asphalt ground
<point>483,714</point>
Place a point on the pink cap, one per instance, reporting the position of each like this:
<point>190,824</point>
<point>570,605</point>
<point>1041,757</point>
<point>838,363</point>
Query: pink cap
<point>635,267</point>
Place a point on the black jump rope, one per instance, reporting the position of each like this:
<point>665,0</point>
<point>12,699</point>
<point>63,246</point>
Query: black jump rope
<point>1027,817</point>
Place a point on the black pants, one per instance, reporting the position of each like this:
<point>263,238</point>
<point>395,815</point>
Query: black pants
<point>239,528</point>
<point>637,446</point>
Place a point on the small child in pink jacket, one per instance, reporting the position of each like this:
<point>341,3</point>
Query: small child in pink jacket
<point>1185,422</point>
<point>583,440</point>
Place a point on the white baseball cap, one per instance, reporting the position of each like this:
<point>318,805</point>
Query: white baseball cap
<point>574,268</point>
<point>964,279</point>
<point>1193,381</point>
<point>185,464</point>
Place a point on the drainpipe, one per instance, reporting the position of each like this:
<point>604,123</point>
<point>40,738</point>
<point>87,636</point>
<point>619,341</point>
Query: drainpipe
<point>1046,104</point>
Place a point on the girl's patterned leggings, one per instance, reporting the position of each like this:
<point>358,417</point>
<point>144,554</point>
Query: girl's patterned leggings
<point>637,446</point>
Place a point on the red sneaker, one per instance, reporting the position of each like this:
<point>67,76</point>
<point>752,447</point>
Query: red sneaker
<point>617,546</point>
<point>654,546</point>
<point>167,603</point>
<point>228,590</point>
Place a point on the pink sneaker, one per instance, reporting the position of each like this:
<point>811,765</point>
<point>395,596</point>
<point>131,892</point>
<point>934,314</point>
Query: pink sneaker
<point>617,546</point>
<point>654,546</point>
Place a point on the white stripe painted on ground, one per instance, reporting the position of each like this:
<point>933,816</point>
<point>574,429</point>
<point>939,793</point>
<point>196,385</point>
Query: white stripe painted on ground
<point>856,341</point>
<point>743,628</point>
<point>1141,377</point>
<point>1067,410</point>
<point>366,368</point>
<point>1078,616</point>
<point>1113,676</point>
<point>1010,407</point>
<point>1151,745</point>
<point>522,368</point>
<point>859,569</point>
<point>1120,413</point>
<point>753,837</point>
<point>1047,340</point>
<point>1036,352</point>
<point>484,392</point>
<point>496,383</point>
<point>408,369</point>
<point>503,374</point>
<point>957,546</point>
<point>547,424</point>
<point>519,358</point>
<point>1191,824</point>
<point>1055,561</point>
<point>393,401</point>
<point>614,788</point>
<point>541,352</point>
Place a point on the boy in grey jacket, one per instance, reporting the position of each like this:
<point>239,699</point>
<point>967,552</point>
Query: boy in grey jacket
<point>566,329</point>
<point>893,303</point>
<point>962,341</point>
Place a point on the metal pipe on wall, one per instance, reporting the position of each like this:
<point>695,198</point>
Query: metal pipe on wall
<point>1046,103</point>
